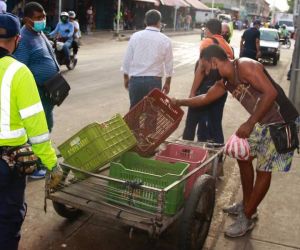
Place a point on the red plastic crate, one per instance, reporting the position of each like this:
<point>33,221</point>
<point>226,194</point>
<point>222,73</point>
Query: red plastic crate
<point>152,121</point>
<point>188,154</point>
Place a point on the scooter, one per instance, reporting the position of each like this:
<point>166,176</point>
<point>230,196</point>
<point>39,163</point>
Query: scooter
<point>57,45</point>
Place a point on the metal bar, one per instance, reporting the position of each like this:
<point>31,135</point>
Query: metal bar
<point>103,177</point>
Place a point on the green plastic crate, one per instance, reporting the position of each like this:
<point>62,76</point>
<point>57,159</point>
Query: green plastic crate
<point>152,173</point>
<point>97,144</point>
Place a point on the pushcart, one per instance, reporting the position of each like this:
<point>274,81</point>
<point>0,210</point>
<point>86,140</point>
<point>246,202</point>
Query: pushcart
<point>96,193</point>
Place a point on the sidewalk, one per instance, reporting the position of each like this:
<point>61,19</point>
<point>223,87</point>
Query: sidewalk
<point>278,224</point>
<point>124,35</point>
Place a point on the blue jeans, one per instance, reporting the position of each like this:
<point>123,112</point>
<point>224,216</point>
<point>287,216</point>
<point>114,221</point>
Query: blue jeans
<point>12,207</point>
<point>66,49</point>
<point>140,86</point>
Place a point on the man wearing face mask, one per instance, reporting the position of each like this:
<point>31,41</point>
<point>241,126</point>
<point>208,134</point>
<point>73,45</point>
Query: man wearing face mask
<point>64,31</point>
<point>208,119</point>
<point>22,120</point>
<point>35,53</point>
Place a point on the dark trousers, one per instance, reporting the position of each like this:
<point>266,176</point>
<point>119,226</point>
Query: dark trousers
<point>249,53</point>
<point>12,207</point>
<point>140,86</point>
<point>207,121</point>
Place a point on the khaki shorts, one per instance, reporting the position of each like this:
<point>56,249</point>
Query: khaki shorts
<point>263,148</point>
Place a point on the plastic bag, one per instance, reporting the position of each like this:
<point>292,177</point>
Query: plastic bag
<point>237,148</point>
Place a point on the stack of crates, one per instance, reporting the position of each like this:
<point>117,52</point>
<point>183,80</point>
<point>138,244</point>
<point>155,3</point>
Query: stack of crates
<point>97,144</point>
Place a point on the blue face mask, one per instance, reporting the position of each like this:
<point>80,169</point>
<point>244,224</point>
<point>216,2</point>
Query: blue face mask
<point>39,26</point>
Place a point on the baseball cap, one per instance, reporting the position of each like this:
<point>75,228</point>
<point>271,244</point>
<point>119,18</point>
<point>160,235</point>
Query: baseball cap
<point>9,25</point>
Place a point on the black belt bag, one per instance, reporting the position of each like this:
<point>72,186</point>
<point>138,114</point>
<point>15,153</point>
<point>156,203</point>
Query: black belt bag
<point>57,89</point>
<point>285,137</point>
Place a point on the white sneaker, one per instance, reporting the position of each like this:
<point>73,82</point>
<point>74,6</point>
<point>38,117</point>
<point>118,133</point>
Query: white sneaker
<point>236,208</point>
<point>240,227</point>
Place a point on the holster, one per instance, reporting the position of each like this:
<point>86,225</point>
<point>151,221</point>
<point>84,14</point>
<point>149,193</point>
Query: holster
<point>20,159</point>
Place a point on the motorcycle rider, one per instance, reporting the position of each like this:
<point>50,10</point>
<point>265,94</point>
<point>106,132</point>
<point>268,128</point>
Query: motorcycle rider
<point>77,33</point>
<point>284,33</point>
<point>64,31</point>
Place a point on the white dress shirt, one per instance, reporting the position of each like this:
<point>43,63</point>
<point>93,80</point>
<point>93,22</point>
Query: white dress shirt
<point>149,53</point>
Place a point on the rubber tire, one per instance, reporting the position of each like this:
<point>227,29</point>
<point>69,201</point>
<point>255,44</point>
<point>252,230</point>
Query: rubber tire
<point>66,212</point>
<point>204,188</point>
<point>73,62</point>
<point>275,60</point>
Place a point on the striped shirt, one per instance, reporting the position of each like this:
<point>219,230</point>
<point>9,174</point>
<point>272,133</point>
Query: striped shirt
<point>34,53</point>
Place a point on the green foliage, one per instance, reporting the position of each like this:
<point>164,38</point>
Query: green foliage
<point>291,4</point>
<point>216,5</point>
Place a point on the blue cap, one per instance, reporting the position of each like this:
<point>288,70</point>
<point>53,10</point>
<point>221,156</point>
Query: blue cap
<point>9,25</point>
<point>257,22</point>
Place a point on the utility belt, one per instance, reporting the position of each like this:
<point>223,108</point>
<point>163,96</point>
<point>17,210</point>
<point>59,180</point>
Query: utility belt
<point>20,159</point>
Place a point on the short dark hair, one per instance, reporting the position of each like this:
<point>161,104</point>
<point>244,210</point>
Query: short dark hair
<point>213,51</point>
<point>32,7</point>
<point>152,17</point>
<point>214,26</point>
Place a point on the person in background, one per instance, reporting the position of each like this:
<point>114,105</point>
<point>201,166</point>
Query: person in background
<point>249,46</point>
<point>89,20</point>
<point>207,120</point>
<point>22,121</point>
<point>284,33</point>
<point>187,22</point>
<point>77,33</point>
<point>226,33</point>
<point>3,6</point>
<point>64,31</point>
<point>34,52</point>
<point>148,59</point>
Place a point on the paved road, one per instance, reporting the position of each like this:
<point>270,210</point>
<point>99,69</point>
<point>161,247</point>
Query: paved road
<point>97,94</point>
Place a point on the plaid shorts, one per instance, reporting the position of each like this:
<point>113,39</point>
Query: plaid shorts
<point>263,148</point>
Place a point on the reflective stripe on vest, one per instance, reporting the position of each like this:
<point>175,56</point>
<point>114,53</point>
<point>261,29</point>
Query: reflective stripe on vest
<point>39,139</point>
<point>32,110</point>
<point>6,133</point>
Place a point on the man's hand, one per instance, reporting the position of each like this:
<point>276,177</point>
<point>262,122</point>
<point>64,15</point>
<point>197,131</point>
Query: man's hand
<point>54,177</point>
<point>175,101</point>
<point>258,54</point>
<point>166,88</point>
<point>244,130</point>
<point>126,81</point>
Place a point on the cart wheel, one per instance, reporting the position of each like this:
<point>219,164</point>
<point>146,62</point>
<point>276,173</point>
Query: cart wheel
<point>197,214</point>
<point>66,211</point>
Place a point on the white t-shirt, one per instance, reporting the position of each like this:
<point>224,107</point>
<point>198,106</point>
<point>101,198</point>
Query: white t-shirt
<point>3,7</point>
<point>77,27</point>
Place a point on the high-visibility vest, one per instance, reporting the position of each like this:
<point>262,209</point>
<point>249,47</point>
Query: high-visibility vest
<point>22,117</point>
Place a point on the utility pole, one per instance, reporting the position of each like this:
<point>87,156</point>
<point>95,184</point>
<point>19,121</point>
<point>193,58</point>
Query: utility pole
<point>212,8</point>
<point>294,93</point>
<point>118,17</point>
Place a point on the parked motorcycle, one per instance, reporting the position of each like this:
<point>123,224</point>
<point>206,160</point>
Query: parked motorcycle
<point>57,45</point>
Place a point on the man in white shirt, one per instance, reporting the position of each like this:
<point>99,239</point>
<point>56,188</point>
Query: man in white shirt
<point>3,6</point>
<point>148,59</point>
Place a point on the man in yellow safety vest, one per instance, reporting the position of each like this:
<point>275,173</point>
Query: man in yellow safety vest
<point>24,135</point>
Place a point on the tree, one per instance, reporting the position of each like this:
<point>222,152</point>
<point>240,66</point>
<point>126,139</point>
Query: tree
<point>291,4</point>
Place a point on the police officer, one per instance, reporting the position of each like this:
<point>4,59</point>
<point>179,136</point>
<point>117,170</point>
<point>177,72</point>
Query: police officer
<point>22,120</point>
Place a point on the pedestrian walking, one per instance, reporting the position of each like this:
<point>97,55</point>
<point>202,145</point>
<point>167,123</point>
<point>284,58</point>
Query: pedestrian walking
<point>269,109</point>
<point>3,6</point>
<point>207,120</point>
<point>22,120</point>
<point>249,46</point>
<point>90,19</point>
<point>148,59</point>
<point>34,52</point>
